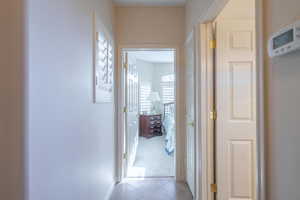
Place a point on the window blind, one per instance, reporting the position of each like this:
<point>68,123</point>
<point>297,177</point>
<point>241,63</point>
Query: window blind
<point>167,88</point>
<point>145,103</point>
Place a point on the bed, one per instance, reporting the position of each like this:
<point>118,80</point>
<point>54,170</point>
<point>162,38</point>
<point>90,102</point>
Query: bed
<point>169,127</point>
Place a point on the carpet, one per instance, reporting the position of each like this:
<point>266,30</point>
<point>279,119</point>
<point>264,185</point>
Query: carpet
<point>152,160</point>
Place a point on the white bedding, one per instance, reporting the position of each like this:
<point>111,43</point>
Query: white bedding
<point>169,129</point>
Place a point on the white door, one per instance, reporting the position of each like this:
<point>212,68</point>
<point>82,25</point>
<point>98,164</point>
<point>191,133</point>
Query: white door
<point>190,115</point>
<point>132,108</point>
<point>236,110</point>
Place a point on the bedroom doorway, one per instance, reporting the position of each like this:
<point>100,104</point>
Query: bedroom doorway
<point>149,113</point>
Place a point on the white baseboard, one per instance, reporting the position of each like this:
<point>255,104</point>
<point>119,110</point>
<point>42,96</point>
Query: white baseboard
<point>109,193</point>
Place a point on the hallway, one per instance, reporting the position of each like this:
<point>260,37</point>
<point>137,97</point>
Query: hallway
<point>151,189</point>
<point>65,115</point>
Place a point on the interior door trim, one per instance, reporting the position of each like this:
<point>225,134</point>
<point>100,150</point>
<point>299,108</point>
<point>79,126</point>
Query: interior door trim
<point>179,152</point>
<point>212,12</point>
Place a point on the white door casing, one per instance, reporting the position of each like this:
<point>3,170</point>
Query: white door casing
<point>180,107</point>
<point>190,115</point>
<point>236,107</point>
<point>207,94</point>
<point>132,109</point>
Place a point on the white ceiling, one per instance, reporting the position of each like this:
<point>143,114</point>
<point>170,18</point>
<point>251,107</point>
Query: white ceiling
<point>150,2</point>
<point>154,56</point>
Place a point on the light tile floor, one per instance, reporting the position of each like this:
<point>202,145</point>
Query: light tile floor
<point>151,189</point>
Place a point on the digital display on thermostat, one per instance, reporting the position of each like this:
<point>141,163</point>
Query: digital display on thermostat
<point>283,39</point>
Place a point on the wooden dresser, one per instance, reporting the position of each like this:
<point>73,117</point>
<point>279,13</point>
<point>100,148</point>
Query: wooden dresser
<point>150,125</point>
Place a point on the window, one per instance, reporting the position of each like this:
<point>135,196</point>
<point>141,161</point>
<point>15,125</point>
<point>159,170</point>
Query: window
<point>145,103</point>
<point>167,88</point>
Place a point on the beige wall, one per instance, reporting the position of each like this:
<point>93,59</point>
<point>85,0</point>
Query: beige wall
<point>64,144</point>
<point>150,25</point>
<point>156,26</point>
<point>70,140</point>
<point>11,68</point>
<point>282,102</point>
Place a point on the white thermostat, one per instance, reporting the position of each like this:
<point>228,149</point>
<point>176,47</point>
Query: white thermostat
<point>285,41</point>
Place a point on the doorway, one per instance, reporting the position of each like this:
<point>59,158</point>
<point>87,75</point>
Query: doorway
<point>229,142</point>
<point>149,113</point>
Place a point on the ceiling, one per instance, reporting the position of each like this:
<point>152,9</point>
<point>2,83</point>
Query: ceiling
<point>154,56</point>
<point>150,2</point>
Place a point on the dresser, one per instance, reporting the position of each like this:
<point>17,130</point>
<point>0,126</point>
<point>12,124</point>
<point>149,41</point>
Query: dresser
<point>150,125</point>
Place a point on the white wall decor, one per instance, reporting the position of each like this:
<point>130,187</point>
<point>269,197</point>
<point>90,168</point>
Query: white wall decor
<point>103,67</point>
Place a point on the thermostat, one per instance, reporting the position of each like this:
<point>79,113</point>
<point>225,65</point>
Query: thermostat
<point>285,41</point>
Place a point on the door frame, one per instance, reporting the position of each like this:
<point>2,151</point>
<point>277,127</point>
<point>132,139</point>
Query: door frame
<point>190,37</point>
<point>120,164</point>
<point>203,64</point>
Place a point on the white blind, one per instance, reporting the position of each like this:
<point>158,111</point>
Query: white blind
<point>167,88</point>
<point>145,103</point>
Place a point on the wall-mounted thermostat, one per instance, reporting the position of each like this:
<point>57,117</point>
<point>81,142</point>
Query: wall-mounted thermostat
<point>285,41</point>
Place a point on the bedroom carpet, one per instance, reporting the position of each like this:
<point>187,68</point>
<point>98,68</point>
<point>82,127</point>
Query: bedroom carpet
<point>151,189</point>
<point>152,159</point>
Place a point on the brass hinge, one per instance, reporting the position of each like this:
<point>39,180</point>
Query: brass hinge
<point>213,44</point>
<point>213,115</point>
<point>213,187</point>
<point>126,61</point>
<point>125,65</point>
<point>125,156</point>
<point>125,109</point>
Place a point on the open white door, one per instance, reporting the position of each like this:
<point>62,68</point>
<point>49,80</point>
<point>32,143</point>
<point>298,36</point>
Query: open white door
<point>236,108</point>
<point>190,115</point>
<point>131,109</point>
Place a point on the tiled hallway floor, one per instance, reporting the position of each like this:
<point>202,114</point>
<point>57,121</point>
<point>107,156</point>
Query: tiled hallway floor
<point>151,189</point>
